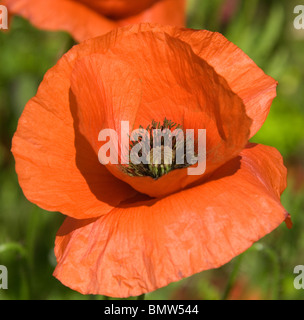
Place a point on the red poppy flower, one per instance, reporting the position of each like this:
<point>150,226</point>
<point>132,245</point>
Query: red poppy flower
<point>126,235</point>
<point>85,19</point>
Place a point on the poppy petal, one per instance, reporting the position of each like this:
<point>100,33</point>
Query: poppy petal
<point>65,15</point>
<point>169,12</point>
<point>56,167</point>
<point>245,78</point>
<point>88,19</point>
<point>118,9</point>
<point>137,249</point>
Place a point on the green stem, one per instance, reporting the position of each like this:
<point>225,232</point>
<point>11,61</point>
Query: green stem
<point>142,297</point>
<point>13,246</point>
<point>232,277</point>
<point>273,257</point>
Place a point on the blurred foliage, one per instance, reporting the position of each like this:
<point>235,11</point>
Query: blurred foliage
<point>264,30</point>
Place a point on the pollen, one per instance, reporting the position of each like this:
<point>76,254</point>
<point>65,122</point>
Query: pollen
<point>160,149</point>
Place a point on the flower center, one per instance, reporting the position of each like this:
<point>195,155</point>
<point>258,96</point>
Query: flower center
<point>157,150</point>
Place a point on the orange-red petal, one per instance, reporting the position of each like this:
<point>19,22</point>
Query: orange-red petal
<point>118,9</point>
<point>84,21</point>
<point>137,249</point>
<point>62,15</point>
<point>168,12</point>
<point>56,167</point>
<point>245,78</point>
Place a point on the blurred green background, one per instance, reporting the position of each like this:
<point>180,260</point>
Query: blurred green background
<point>264,30</point>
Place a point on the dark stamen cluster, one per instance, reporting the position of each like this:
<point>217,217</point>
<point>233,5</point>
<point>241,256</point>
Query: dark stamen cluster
<point>157,169</point>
